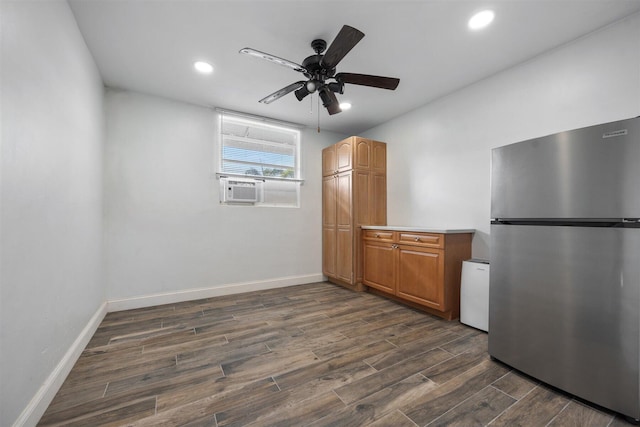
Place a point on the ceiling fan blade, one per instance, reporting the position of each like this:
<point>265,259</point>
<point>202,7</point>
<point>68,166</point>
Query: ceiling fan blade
<point>367,80</point>
<point>346,39</point>
<point>273,58</point>
<point>330,101</point>
<point>282,92</point>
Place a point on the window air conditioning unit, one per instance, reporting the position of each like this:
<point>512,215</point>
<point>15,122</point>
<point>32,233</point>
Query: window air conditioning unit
<point>238,190</point>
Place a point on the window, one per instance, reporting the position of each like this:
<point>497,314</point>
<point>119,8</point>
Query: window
<point>265,152</point>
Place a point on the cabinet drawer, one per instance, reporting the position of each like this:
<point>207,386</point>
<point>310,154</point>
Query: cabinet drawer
<point>427,240</point>
<point>378,235</point>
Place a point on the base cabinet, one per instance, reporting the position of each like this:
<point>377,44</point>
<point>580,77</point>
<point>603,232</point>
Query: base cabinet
<point>421,269</point>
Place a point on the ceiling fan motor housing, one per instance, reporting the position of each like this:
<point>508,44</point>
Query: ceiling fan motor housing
<point>314,69</point>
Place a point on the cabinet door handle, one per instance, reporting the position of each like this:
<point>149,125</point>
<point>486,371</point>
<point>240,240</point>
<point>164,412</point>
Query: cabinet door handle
<point>394,246</point>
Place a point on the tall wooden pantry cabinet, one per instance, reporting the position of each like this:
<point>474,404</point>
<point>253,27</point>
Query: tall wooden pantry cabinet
<point>354,193</point>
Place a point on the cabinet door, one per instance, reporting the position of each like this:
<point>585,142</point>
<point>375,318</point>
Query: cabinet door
<point>378,199</point>
<point>421,276</point>
<point>343,200</point>
<point>344,155</point>
<point>329,201</point>
<point>344,227</point>
<point>344,254</point>
<point>362,197</point>
<point>362,154</point>
<point>329,216</point>
<point>361,213</point>
<point>380,266</point>
<point>329,251</point>
<point>329,166</point>
<point>378,157</point>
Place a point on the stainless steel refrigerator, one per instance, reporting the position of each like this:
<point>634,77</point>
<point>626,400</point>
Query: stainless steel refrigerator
<point>564,298</point>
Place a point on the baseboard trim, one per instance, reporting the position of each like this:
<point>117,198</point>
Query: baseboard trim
<point>216,291</point>
<point>41,400</point>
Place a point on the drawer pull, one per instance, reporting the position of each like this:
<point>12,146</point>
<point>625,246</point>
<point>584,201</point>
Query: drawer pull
<point>377,234</point>
<point>417,239</point>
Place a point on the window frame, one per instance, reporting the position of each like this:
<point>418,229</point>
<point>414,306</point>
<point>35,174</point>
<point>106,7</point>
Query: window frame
<point>257,122</point>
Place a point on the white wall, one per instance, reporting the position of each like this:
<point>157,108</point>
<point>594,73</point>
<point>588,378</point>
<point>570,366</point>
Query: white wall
<point>439,155</point>
<point>51,197</point>
<point>165,229</point>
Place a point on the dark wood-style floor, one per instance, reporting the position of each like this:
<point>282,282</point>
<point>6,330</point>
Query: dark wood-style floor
<point>311,355</point>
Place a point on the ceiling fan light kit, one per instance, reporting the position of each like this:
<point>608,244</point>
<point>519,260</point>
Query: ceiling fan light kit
<point>320,71</point>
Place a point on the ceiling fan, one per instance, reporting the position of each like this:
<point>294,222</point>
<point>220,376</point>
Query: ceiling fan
<point>320,70</point>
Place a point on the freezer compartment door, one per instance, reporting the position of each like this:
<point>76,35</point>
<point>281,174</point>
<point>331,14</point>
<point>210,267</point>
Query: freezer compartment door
<point>563,308</point>
<point>586,173</point>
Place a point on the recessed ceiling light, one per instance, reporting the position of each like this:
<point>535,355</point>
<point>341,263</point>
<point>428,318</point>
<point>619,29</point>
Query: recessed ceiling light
<point>345,105</point>
<point>481,19</point>
<point>203,67</point>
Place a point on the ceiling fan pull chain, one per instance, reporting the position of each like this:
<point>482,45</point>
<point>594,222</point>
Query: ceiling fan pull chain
<point>318,109</point>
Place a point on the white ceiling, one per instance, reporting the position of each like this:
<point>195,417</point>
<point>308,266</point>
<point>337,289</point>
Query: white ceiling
<point>150,46</point>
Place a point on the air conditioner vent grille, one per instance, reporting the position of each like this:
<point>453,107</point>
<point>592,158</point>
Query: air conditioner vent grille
<point>238,191</point>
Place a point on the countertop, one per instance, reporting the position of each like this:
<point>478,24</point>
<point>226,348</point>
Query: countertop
<point>419,229</point>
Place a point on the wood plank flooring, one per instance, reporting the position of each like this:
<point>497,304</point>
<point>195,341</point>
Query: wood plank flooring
<point>310,355</point>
